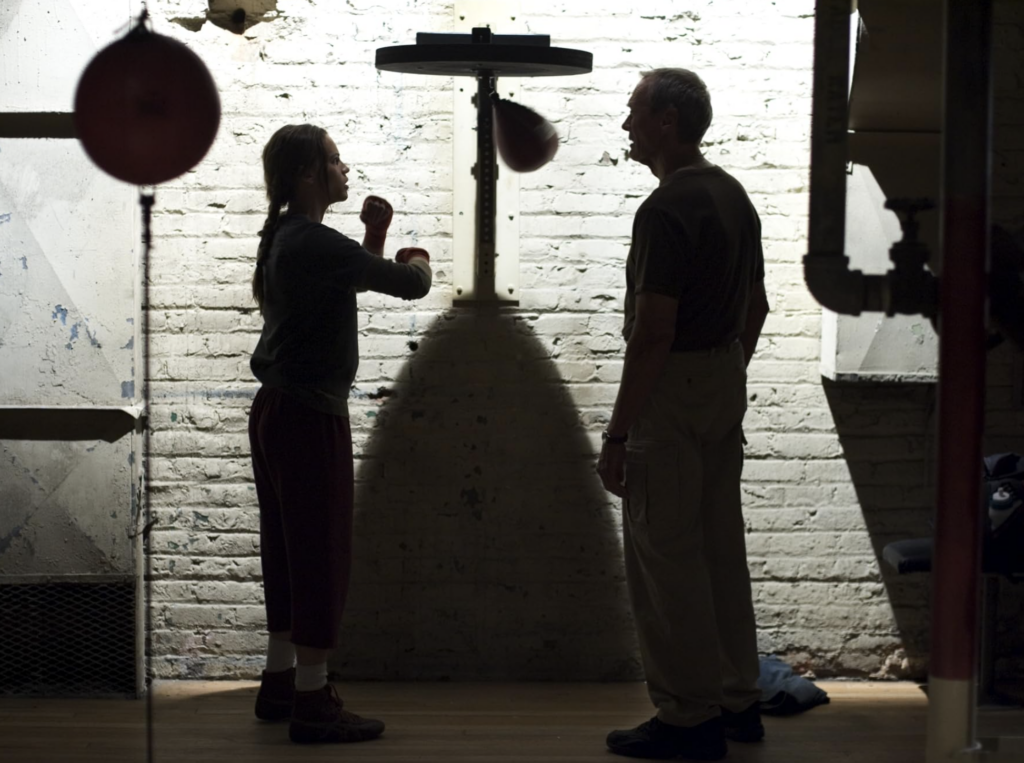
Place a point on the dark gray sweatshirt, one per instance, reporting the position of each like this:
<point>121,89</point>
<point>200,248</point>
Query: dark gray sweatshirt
<point>310,344</point>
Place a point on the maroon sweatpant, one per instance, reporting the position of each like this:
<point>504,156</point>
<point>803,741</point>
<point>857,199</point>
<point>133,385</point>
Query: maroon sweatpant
<point>302,462</point>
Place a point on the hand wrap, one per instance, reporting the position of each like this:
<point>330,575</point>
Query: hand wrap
<point>376,216</point>
<point>404,255</point>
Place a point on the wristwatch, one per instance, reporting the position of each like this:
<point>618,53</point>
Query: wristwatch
<point>613,439</point>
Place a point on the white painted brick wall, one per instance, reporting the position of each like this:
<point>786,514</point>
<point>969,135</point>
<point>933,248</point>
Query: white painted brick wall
<point>485,546</point>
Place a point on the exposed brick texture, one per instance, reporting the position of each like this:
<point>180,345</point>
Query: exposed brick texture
<point>485,545</point>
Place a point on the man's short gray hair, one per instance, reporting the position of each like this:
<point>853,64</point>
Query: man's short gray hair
<point>689,95</point>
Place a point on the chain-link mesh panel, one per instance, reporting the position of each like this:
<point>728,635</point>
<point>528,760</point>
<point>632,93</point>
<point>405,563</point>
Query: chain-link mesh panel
<point>61,639</point>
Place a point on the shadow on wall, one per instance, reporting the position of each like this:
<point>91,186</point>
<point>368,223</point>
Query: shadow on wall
<point>485,546</point>
<point>887,435</point>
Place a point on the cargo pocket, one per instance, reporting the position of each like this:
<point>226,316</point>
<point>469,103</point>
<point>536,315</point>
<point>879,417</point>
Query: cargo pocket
<point>652,485</point>
<point>636,490</point>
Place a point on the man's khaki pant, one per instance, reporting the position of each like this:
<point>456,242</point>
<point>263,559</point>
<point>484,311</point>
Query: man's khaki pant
<point>686,560</point>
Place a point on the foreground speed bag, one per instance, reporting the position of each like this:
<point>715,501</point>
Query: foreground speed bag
<point>525,139</point>
<point>146,108</point>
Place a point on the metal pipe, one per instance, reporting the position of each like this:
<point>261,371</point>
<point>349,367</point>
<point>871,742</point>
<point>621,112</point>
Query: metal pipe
<point>829,126</point>
<point>841,290</point>
<point>826,267</point>
<point>963,282</point>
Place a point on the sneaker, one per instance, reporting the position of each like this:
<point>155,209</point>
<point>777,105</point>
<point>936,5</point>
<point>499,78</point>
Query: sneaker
<point>319,716</point>
<point>744,726</point>
<point>657,739</point>
<point>274,699</point>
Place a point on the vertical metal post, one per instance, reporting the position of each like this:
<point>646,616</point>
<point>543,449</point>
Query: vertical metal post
<point>486,188</point>
<point>146,200</point>
<point>986,664</point>
<point>485,267</point>
<point>963,287</point>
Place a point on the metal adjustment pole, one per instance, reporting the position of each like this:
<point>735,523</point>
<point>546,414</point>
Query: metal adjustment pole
<point>486,187</point>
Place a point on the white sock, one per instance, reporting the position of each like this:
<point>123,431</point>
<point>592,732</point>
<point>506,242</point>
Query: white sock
<point>280,655</point>
<point>310,677</point>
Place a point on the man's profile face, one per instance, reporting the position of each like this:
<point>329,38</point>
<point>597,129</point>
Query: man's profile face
<point>642,125</point>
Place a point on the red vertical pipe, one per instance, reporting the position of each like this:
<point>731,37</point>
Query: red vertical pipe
<point>963,288</point>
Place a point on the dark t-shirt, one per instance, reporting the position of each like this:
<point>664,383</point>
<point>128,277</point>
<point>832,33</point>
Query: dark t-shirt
<point>310,344</point>
<point>697,238</point>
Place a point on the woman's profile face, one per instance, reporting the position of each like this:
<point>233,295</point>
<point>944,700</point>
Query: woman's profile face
<point>337,173</point>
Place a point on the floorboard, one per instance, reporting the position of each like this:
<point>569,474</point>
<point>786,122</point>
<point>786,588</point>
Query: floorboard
<point>212,722</point>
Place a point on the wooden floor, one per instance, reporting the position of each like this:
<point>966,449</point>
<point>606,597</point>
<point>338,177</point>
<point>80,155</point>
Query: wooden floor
<point>207,722</point>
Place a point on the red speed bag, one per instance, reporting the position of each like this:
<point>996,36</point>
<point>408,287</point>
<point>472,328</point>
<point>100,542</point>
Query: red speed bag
<point>146,108</point>
<point>525,139</point>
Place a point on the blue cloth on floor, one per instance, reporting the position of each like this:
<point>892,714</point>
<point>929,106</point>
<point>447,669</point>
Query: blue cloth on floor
<point>785,693</point>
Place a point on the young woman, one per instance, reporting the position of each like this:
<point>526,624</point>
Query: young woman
<point>305,284</point>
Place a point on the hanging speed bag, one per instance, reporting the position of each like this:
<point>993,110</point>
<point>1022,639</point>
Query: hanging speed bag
<point>526,141</point>
<point>146,108</point>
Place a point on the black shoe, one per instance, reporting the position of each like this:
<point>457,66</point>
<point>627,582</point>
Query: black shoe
<point>744,726</point>
<point>276,694</point>
<point>656,739</point>
<point>319,716</point>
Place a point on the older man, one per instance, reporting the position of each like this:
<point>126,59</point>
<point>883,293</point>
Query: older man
<point>673,449</point>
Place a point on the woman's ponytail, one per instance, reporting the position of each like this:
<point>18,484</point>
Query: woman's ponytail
<point>292,150</point>
<point>266,241</point>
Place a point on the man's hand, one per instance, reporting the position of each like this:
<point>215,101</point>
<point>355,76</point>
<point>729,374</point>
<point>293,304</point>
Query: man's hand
<point>376,216</point>
<point>647,351</point>
<point>611,466</point>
